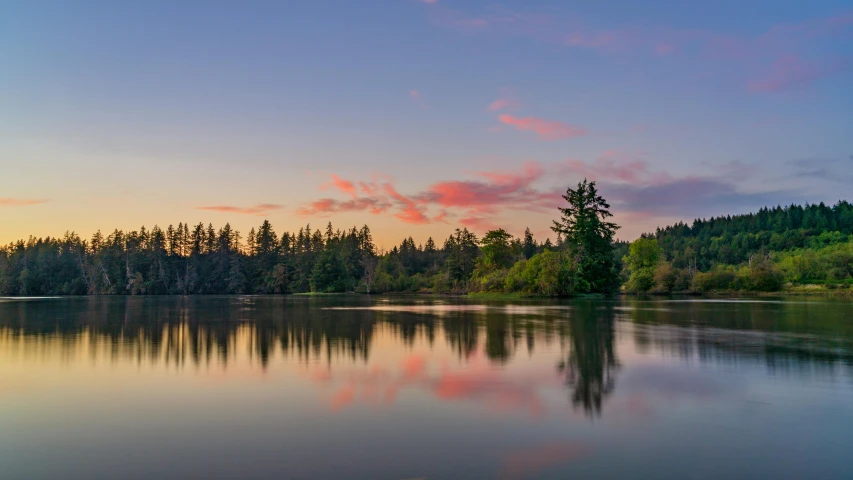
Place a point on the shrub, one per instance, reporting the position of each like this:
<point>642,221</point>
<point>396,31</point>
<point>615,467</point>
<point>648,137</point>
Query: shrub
<point>718,279</point>
<point>665,278</point>
<point>641,280</point>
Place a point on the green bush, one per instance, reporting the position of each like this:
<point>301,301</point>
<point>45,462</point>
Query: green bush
<point>765,277</point>
<point>717,279</point>
<point>665,278</point>
<point>641,280</point>
<point>547,273</point>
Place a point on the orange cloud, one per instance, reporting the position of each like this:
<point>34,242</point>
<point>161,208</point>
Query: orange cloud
<point>410,211</point>
<point>626,178</point>
<point>344,186</point>
<point>260,209</point>
<point>18,202</point>
<point>544,129</point>
<point>329,206</point>
<point>368,188</point>
<point>441,217</point>
<point>500,188</point>
<point>412,214</point>
<point>507,189</point>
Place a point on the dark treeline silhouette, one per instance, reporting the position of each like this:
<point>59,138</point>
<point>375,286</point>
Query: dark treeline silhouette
<point>203,260</point>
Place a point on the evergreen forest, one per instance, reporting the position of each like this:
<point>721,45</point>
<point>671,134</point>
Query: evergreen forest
<point>771,250</point>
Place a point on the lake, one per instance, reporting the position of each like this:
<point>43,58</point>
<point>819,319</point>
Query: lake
<point>358,387</point>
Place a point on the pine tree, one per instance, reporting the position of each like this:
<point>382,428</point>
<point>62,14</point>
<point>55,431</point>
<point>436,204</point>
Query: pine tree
<point>588,237</point>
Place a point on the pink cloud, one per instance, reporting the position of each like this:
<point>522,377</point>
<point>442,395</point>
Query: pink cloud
<point>441,217</point>
<point>329,206</point>
<point>368,188</point>
<point>412,214</point>
<point>613,165</point>
<point>504,102</point>
<point>791,72</point>
<point>635,189</point>
<point>484,195</point>
<point>343,185</point>
<point>544,129</point>
<point>19,202</point>
<point>530,172</point>
<point>500,188</point>
<point>416,97</point>
<point>260,209</point>
<point>498,104</point>
<point>737,53</point>
<point>410,211</point>
<point>660,39</point>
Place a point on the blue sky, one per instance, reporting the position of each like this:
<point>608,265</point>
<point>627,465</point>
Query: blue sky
<point>417,117</point>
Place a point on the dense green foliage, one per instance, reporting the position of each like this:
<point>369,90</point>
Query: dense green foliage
<point>589,238</point>
<point>733,239</point>
<point>203,260</point>
<point>583,261</point>
<point>644,256</point>
<point>795,245</point>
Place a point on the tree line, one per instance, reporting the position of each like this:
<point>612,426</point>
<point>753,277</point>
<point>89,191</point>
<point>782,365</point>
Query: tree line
<point>200,259</point>
<point>764,251</point>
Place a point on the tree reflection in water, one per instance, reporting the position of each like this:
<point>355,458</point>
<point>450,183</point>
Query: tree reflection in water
<point>200,330</point>
<point>590,367</point>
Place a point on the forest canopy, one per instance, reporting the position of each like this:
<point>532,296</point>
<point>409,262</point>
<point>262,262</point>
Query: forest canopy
<point>762,251</point>
<point>201,259</point>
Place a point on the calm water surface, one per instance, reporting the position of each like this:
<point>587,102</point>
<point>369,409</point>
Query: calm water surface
<point>422,387</point>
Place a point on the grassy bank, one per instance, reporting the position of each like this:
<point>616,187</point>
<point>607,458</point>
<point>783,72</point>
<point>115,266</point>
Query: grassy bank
<point>803,290</point>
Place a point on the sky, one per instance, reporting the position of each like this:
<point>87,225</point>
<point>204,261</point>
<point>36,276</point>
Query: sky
<point>417,116</point>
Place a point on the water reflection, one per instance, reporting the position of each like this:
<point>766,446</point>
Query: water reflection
<point>591,366</point>
<point>580,338</point>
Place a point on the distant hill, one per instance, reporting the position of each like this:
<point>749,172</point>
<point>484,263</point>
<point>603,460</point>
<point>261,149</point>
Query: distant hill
<point>781,248</point>
<point>733,239</point>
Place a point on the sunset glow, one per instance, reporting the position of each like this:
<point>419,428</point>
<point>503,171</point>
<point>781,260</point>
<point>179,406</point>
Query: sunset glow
<point>417,117</point>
